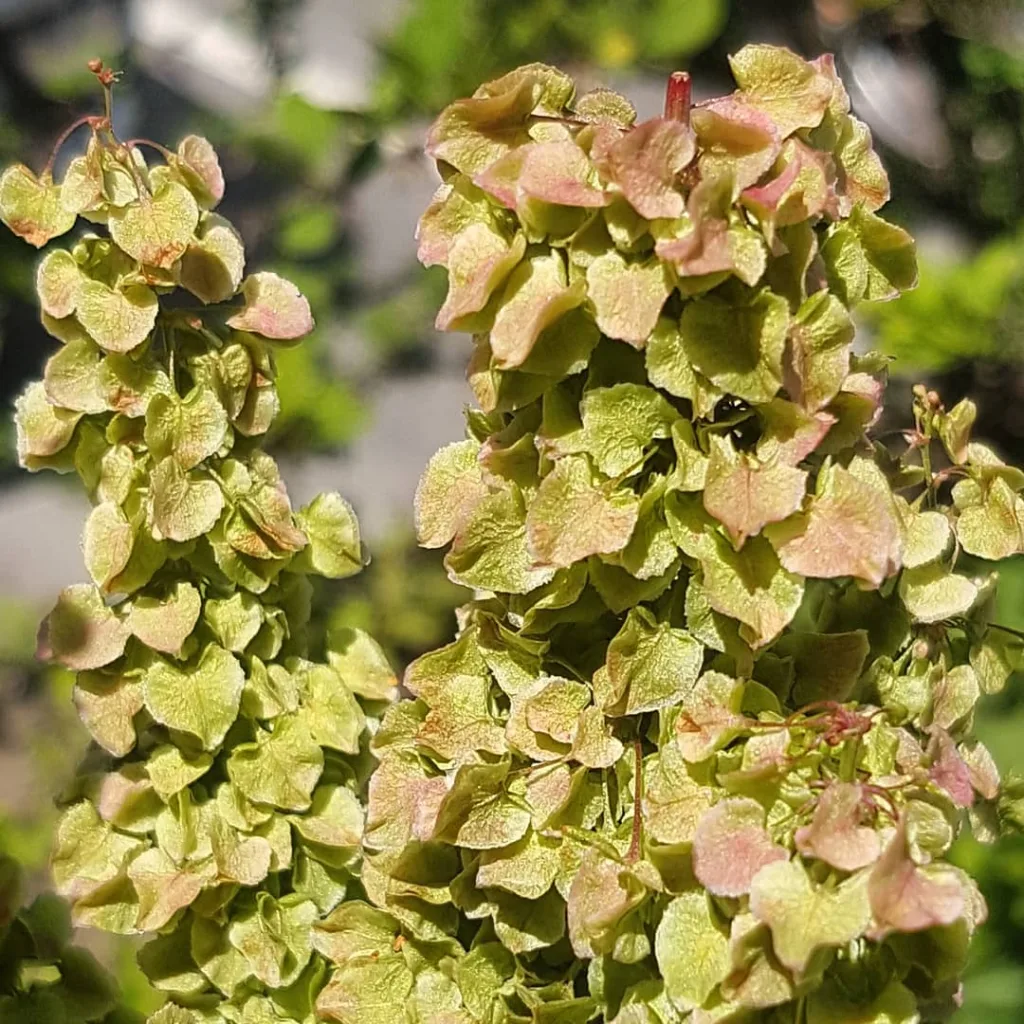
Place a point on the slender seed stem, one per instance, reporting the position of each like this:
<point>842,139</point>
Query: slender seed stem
<point>612,484</point>
<point>563,664</point>
<point>848,761</point>
<point>555,119</point>
<point>63,137</point>
<point>133,170</point>
<point>1007,629</point>
<point>636,841</point>
<point>169,344</point>
<point>926,463</point>
<point>162,150</point>
<point>217,477</point>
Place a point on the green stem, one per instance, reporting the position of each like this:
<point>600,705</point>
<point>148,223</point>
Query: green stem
<point>635,468</point>
<point>636,842</point>
<point>216,476</point>
<point>926,463</point>
<point>608,814</point>
<point>124,155</point>
<point>585,838</point>
<point>848,760</point>
<point>563,664</point>
<point>169,346</point>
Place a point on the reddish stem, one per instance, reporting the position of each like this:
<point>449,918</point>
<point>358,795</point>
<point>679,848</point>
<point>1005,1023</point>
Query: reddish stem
<point>678,97</point>
<point>88,119</point>
<point>876,794</point>
<point>818,705</point>
<point>162,150</point>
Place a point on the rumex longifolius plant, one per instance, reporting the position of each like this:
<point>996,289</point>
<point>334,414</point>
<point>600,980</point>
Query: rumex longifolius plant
<point>703,740</point>
<point>219,809</point>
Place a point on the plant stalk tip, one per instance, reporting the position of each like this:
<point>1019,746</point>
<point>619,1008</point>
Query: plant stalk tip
<point>678,96</point>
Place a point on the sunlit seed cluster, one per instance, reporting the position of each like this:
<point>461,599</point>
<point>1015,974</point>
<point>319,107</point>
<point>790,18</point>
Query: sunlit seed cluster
<point>703,741</point>
<point>219,810</point>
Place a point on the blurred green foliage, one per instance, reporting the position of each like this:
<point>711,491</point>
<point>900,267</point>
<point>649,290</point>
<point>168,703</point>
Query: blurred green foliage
<point>994,985</point>
<point>960,311</point>
<point>405,597</point>
<point>992,68</point>
<point>986,114</point>
<point>445,48</point>
<point>52,743</point>
<point>970,308</point>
